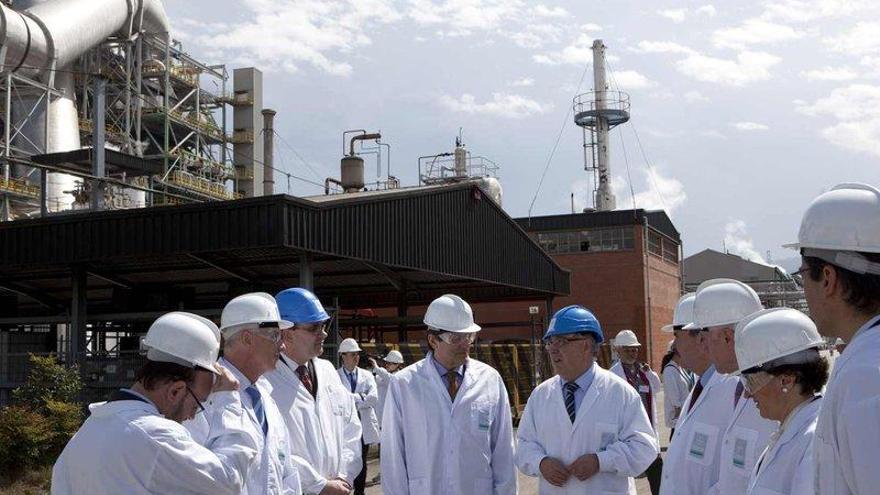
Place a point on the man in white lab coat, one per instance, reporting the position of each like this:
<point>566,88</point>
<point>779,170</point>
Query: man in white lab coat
<point>839,241</point>
<point>677,379</point>
<point>585,430</point>
<point>447,428</point>
<point>692,461</point>
<point>135,443</point>
<point>719,305</point>
<point>365,395</point>
<point>646,382</point>
<point>251,328</point>
<point>321,418</point>
<point>391,364</point>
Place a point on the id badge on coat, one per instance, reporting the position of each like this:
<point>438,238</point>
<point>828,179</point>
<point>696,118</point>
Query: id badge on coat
<point>701,447</point>
<point>740,452</point>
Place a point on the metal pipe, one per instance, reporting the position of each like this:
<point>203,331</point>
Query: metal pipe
<point>268,151</point>
<point>327,182</point>
<point>363,137</point>
<point>96,199</point>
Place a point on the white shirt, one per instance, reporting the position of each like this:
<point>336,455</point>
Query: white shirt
<point>847,441</point>
<point>677,384</point>
<point>432,445</point>
<point>366,398</point>
<point>324,431</point>
<point>692,461</point>
<point>126,446</point>
<point>611,422</point>
<point>273,471</point>
<point>786,465</point>
<point>653,384</point>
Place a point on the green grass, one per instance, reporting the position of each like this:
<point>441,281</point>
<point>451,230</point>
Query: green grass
<point>33,482</point>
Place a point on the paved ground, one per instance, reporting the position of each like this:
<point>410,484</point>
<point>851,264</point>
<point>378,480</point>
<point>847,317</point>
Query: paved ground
<point>529,485</point>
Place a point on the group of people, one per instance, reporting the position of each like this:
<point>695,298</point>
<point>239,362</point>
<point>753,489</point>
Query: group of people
<point>747,409</point>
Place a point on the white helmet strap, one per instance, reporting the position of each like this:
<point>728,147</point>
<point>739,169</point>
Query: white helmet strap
<point>848,260</point>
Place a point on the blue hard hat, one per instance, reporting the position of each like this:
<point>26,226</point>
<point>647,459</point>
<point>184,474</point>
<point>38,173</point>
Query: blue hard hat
<point>300,306</point>
<point>574,319</point>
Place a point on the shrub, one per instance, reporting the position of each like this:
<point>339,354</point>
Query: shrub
<point>24,438</point>
<point>47,380</point>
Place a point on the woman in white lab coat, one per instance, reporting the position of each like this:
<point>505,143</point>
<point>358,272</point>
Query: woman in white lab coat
<point>782,370</point>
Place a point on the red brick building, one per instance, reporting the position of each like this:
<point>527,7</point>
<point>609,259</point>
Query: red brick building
<point>625,267</point>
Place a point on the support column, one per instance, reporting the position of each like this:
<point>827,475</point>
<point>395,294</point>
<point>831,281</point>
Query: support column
<point>77,338</point>
<point>306,272</point>
<point>402,308</point>
<point>96,196</point>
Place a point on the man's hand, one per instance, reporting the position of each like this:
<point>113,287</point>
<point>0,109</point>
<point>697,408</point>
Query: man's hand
<point>373,364</point>
<point>554,471</point>
<point>337,486</point>
<point>585,466</point>
<point>225,381</point>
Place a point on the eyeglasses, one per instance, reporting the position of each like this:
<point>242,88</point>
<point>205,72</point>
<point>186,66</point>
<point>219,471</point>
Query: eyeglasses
<point>561,341</point>
<point>801,272</point>
<point>753,382</point>
<point>315,328</point>
<point>274,337</point>
<point>198,402</point>
<point>457,338</point>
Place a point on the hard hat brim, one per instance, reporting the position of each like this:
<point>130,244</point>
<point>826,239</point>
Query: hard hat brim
<point>670,328</point>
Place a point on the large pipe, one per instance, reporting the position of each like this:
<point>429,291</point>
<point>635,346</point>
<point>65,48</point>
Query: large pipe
<point>268,152</point>
<point>47,34</point>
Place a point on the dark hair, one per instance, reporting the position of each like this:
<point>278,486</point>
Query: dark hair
<point>861,291</point>
<point>435,333</point>
<point>811,375</point>
<point>155,373</point>
<point>667,358</point>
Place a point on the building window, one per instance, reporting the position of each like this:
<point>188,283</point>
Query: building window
<point>586,241</point>
<point>655,244</point>
<point>662,247</point>
<point>670,251</point>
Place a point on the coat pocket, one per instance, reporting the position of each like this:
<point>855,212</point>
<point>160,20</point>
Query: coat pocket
<point>702,443</point>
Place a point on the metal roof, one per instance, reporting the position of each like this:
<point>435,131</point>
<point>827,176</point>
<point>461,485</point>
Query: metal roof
<point>365,250</point>
<point>657,219</point>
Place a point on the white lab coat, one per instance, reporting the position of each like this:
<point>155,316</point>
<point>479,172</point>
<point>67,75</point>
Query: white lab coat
<point>383,379</point>
<point>786,466</point>
<point>847,442</point>
<point>432,446</point>
<point>366,398</point>
<point>272,471</point>
<point>654,383</point>
<point>676,387</point>
<point>325,432</point>
<point>127,447</point>
<point>610,422</point>
<point>744,439</point>
<point>692,460</point>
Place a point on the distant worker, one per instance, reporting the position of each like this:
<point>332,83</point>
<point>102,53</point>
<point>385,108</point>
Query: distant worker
<point>781,368</point>
<point>677,379</point>
<point>646,382</point>
<point>366,396</point>
<point>447,427</point>
<point>135,443</point>
<point>251,328</point>
<point>321,418</point>
<point>839,242</point>
<point>391,363</point>
<point>585,430</point>
<point>693,459</point>
<point>719,305</point>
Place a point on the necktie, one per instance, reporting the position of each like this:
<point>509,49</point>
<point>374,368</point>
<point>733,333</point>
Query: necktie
<point>452,384</point>
<point>306,378</point>
<point>352,381</point>
<point>737,393</point>
<point>698,389</point>
<point>256,398</point>
<point>570,389</point>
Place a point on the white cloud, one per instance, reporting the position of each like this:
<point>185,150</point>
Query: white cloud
<point>862,39</point>
<point>737,241</point>
<point>590,27</point>
<point>706,10</point>
<point>749,126</point>
<point>674,15</point>
<point>662,47</point>
<point>749,67</point>
<point>712,133</point>
<point>630,79</point>
<point>535,35</point>
<point>754,32</point>
<point>830,74</point>
<point>856,109</point>
<point>662,193</point>
<point>501,105</point>
<point>522,82</point>
<point>803,11</point>
<point>578,53</point>
<point>695,97</point>
<point>542,10</point>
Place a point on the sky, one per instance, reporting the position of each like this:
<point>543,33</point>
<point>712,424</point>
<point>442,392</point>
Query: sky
<point>742,112</point>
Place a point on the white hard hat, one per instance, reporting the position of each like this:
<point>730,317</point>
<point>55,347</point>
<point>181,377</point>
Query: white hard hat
<point>723,301</point>
<point>348,345</point>
<point>393,357</point>
<point>773,337</point>
<point>250,309</point>
<point>684,313</point>
<point>626,338</point>
<point>846,218</point>
<point>451,313</point>
<point>185,339</point>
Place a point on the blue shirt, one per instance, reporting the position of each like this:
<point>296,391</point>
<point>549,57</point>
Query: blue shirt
<point>442,371</point>
<point>584,382</point>
<point>707,375</point>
